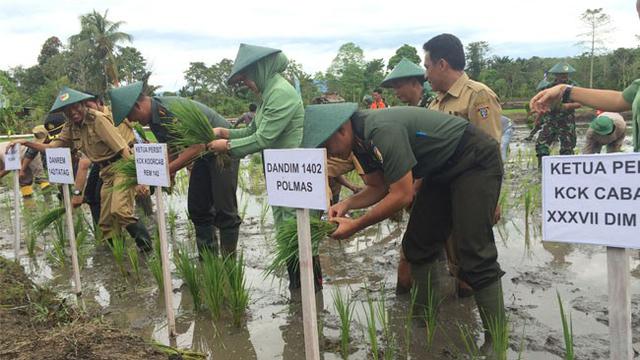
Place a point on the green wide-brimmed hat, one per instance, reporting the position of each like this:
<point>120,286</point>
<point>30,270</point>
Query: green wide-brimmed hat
<point>68,96</point>
<point>122,100</point>
<point>602,125</point>
<point>322,120</point>
<point>562,68</point>
<point>248,55</point>
<point>403,70</point>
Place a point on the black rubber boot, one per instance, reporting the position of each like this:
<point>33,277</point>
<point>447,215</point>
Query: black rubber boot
<point>229,241</point>
<point>490,304</point>
<point>140,234</point>
<point>293,269</point>
<point>206,239</point>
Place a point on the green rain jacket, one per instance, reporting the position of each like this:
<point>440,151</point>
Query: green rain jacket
<point>278,123</point>
<point>632,96</point>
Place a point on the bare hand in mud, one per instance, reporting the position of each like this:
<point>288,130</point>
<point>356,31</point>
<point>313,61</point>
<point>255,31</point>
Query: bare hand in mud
<point>338,210</point>
<point>346,227</point>
<point>76,201</point>
<point>545,99</point>
<point>142,190</point>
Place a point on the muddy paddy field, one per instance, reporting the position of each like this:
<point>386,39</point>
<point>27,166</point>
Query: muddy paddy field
<point>363,269</point>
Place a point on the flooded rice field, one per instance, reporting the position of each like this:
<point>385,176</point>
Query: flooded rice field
<point>363,268</point>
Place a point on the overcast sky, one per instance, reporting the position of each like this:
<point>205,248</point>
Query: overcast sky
<point>170,34</point>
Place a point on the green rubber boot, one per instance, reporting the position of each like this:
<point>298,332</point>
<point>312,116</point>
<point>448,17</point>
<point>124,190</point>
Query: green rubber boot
<point>426,278</point>
<point>229,241</point>
<point>206,239</point>
<point>490,303</point>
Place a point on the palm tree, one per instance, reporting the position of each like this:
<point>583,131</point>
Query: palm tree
<point>99,37</point>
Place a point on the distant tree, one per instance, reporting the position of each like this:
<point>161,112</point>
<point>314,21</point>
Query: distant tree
<point>348,54</point>
<point>404,51</point>
<point>308,89</point>
<point>597,23</point>
<point>50,48</point>
<point>476,54</point>
<point>131,65</point>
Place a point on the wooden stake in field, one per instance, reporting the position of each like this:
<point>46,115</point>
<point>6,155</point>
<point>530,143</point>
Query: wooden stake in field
<point>152,168</point>
<point>61,172</point>
<point>297,178</point>
<point>620,336</point>
<point>12,162</point>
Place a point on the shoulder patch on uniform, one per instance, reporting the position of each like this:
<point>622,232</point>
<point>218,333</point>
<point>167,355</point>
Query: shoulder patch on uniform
<point>377,154</point>
<point>483,111</point>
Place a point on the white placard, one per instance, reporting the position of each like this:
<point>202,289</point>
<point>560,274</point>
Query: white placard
<point>297,178</point>
<point>12,158</point>
<point>592,199</point>
<point>152,164</point>
<point>59,166</point>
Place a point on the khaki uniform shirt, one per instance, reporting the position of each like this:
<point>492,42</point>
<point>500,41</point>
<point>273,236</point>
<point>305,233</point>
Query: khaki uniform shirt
<point>594,141</point>
<point>95,137</point>
<point>473,101</point>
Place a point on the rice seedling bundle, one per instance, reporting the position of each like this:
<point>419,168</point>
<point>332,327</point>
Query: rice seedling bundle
<point>238,293</point>
<point>126,169</point>
<point>43,222</point>
<point>213,282</point>
<point>286,251</point>
<point>189,272</point>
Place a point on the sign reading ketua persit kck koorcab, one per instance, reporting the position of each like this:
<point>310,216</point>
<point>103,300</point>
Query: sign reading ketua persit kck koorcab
<point>592,199</point>
<point>297,178</point>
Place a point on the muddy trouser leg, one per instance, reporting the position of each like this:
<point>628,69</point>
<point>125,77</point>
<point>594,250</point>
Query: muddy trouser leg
<point>224,183</point>
<point>427,230</point>
<point>200,206</point>
<point>567,134</point>
<point>403,283</point>
<point>92,192</point>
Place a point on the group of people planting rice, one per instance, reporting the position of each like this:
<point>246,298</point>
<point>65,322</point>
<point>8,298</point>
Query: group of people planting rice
<point>440,158</point>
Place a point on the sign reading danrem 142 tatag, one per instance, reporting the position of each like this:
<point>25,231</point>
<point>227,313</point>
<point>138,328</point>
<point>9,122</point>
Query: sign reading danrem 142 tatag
<point>297,178</point>
<point>593,199</point>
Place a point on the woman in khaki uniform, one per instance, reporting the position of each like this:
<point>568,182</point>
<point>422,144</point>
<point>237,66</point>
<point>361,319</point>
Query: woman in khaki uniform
<point>93,133</point>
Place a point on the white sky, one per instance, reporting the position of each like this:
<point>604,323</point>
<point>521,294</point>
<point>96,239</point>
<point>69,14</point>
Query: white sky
<point>170,34</point>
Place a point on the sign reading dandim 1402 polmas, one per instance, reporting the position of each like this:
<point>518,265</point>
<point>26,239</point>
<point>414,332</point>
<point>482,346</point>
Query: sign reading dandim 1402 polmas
<point>59,166</point>
<point>297,178</point>
<point>592,199</point>
<point>152,164</point>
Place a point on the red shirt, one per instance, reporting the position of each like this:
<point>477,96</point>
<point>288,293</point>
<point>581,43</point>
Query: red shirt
<point>378,105</point>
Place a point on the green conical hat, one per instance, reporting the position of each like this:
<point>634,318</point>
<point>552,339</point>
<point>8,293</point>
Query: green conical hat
<point>404,69</point>
<point>562,68</point>
<point>122,100</point>
<point>248,55</point>
<point>602,125</point>
<point>321,121</point>
<point>68,96</point>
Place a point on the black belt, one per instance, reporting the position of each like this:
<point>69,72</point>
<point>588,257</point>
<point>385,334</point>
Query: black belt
<point>105,163</point>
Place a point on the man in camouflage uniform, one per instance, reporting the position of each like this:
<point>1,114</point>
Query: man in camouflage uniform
<point>559,123</point>
<point>537,122</point>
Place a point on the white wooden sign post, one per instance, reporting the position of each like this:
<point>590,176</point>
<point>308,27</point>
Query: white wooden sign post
<point>297,178</point>
<point>152,168</point>
<point>12,162</point>
<point>60,171</point>
<point>595,199</point>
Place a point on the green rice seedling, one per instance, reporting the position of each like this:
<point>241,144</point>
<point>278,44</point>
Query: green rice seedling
<point>408,321</point>
<point>189,272</point>
<point>503,200</point>
<point>191,230</point>
<point>213,282</point>
<point>372,331</point>
<point>118,249</point>
<point>286,250</point>
<point>499,330</point>
<point>522,345</point>
<point>264,210</point>
<point>431,312</point>
<point>567,331</point>
<point>387,334</point>
<point>32,236</point>
<point>81,246</point>
<point>172,219</point>
<point>238,294</point>
<point>134,260</point>
<point>345,307</point>
<point>43,222</point>
<point>155,267</point>
<point>243,210</point>
<point>58,255</point>
<point>125,168</point>
<point>468,340</point>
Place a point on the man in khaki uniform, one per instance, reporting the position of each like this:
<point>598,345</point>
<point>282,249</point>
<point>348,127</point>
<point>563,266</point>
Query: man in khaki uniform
<point>93,133</point>
<point>458,95</point>
<point>607,129</point>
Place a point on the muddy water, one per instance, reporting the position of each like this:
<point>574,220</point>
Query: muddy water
<point>362,267</point>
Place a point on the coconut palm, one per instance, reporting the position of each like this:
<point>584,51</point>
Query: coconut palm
<point>99,38</point>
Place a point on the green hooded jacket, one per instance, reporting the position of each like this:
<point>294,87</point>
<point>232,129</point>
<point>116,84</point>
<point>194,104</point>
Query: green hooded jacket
<point>632,96</point>
<point>279,120</point>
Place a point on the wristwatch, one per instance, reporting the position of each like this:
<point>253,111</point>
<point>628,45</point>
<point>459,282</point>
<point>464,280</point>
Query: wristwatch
<point>76,192</point>
<point>566,94</point>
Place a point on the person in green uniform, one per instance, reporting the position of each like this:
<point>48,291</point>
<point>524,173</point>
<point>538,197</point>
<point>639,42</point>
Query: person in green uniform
<point>278,122</point>
<point>539,119</point>
<point>559,123</point>
<point>211,198</point>
<point>406,79</point>
<point>93,133</point>
<point>462,171</point>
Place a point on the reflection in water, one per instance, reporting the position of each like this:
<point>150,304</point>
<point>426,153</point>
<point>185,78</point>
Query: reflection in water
<point>293,329</point>
<point>559,251</point>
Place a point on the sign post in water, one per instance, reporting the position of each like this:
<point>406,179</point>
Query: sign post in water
<point>60,170</point>
<point>595,199</point>
<point>12,162</point>
<point>297,178</point>
<point>152,168</point>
